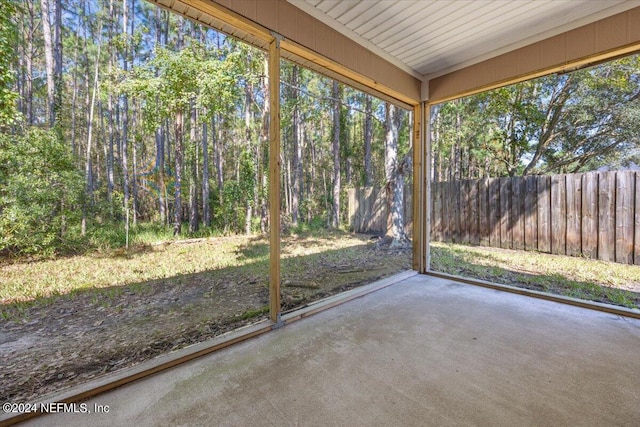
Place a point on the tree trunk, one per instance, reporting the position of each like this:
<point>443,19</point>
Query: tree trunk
<point>264,148</point>
<point>368,136</point>
<point>248,99</point>
<point>177,205</point>
<point>206,206</point>
<point>28,63</point>
<point>297,150</point>
<point>218,158</point>
<point>88,167</point>
<point>335,217</point>
<point>193,181</point>
<point>74,95</point>
<point>57,57</point>
<point>160,134</point>
<point>49,62</point>
<point>135,209</point>
<point>125,124</point>
<point>394,174</point>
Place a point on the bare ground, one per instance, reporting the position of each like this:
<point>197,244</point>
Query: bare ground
<point>67,340</point>
<point>64,340</point>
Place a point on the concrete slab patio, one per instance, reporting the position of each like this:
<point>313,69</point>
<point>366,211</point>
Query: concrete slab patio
<point>425,351</point>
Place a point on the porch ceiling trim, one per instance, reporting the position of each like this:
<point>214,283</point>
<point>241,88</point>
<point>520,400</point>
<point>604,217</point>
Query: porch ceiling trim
<point>600,41</point>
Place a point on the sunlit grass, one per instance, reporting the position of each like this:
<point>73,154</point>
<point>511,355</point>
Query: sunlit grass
<point>115,268</point>
<point>570,276</point>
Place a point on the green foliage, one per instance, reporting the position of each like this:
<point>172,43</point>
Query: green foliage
<point>40,192</point>
<point>236,196</point>
<point>8,40</point>
<point>171,81</point>
<point>554,124</point>
<point>317,225</point>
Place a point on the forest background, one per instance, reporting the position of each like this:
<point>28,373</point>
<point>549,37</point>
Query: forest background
<point>119,116</point>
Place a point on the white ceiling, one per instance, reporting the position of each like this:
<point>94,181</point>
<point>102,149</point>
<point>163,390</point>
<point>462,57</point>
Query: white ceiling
<point>429,38</point>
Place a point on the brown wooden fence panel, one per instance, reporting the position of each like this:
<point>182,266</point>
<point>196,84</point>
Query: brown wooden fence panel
<point>484,229</point>
<point>590,215</point>
<point>494,212</point>
<point>408,209</point>
<point>595,214</point>
<point>506,232</point>
<point>474,219</point>
<point>455,212</point>
<point>448,211</point>
<point>606,216</point>
<point>544,214</point>
<point>369,210</point>
<point>574,217</point>
<point>465,214</point>
<point>517,211</point>
<point>558,214</point>
<point>531,213</point>
<point>436,212</point>
<point>625,190</point>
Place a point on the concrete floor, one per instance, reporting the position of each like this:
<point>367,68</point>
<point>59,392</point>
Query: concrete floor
<point>423,352</point>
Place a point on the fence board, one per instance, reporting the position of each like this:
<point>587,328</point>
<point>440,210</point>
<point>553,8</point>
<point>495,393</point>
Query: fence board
<point>574,218</point>
<point>506,232</point>
<point>590,215</point>
<point>606,216</point>
<point>408,209</point>
<point>368,210</point>
<point>544,213</point>
<point>494,212</point>
<point>464,211</point>
<point>474,220</point>
<point>456,211</point>
<point>436,231</point>
<point>625,189</point>
<point>558,214</point>
<point>596,215</point>
<point>446,211</point>
<point>531,217</point>
<point>517,207</point>
<point>484,229</point>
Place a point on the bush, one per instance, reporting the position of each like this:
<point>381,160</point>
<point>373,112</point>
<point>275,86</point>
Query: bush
<point>40,193</point>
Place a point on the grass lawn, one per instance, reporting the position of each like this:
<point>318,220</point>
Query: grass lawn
<point>582,278</point>
<point>67,320</point>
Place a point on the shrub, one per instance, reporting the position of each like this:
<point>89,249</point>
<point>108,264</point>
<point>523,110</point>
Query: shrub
<point>40,193</point>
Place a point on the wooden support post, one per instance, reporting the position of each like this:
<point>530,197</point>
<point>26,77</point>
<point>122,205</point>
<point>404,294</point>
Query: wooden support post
<point>421,192</point>
<point>418,220</point>
<point>274,179</point>
<point>426,182</point>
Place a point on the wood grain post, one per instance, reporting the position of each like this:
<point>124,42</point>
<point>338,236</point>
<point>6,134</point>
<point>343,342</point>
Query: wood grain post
<point>274,179</point>
<point>421,190</point>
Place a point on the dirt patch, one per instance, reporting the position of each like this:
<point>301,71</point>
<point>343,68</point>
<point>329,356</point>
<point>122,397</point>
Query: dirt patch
<point>66,340</point>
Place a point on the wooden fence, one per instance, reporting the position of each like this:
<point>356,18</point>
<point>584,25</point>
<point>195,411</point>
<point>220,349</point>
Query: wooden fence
<point>595,214</point>
<point>369,210</point>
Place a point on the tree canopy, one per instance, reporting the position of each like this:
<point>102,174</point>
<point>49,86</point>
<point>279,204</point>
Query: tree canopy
<point>561,123</point>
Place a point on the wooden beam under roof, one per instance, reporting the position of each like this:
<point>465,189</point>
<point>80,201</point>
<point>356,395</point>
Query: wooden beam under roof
<point>600,41</point>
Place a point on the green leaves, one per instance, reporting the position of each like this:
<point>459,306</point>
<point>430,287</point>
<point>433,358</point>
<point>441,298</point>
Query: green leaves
<point>554,124</point>
<point>171,81</point>
<point>40,191</point>
<point>8,37</point>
